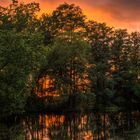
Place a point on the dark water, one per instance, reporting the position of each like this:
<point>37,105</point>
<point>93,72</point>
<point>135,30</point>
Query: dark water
<point>92,126</point>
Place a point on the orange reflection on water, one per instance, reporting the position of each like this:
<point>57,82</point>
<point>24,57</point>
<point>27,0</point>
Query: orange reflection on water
<point>58,126</point>
<point>50,120</point>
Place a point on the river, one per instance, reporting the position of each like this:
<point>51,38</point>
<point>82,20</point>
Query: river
<point>73,126</point>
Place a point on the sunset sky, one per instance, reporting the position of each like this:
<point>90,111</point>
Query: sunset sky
<point>117,13</point>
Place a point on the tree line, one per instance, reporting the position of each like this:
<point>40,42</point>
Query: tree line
<point>81,57</point>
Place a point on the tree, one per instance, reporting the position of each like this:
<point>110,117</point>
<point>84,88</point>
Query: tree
<point>68,17</point>
<point>21,56</point>
<point>47,28</point>
<point>134,80</point>
<point>121,49</point>
<point>135,53</point>
<point>67,64</point>
<point>65,18</point>
<point>100,37</point>
<point>19,17</point>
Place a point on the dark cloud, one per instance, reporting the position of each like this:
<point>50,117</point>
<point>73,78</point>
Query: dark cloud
<point>120,9</point>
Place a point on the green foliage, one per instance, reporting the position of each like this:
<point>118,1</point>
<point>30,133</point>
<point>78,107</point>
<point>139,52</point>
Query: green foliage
<point>125,58</point>
<point>66,62</point>
<point>68,17</point>
<point>100,38</point>
<point>65,18</point>
<point>20,60</point>
<point>19,17</point>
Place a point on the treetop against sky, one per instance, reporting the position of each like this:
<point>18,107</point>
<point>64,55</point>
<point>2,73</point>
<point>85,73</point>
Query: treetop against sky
<point>118,13</point>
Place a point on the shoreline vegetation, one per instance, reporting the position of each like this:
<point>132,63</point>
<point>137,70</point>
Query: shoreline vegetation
<point>64,62</point>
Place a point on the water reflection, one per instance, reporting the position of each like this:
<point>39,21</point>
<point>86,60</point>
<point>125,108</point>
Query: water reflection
<point>93,126</point>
